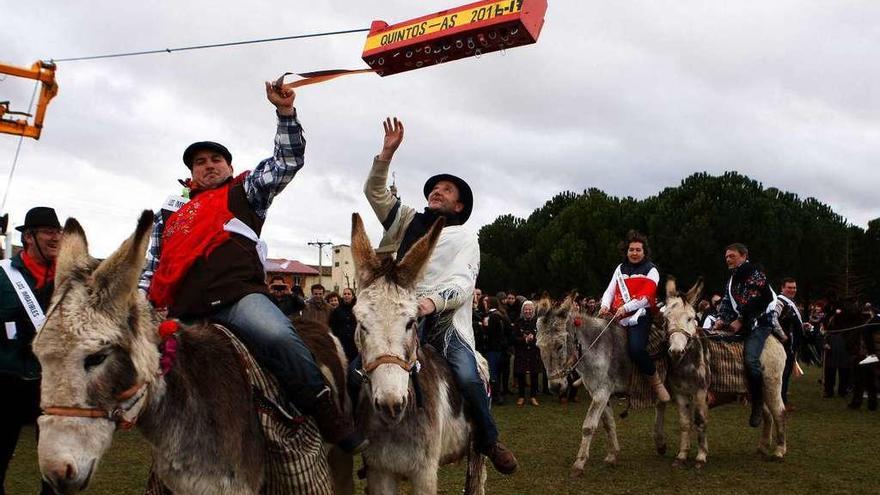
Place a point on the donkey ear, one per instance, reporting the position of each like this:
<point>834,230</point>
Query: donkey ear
<point>671,289</point>
<point>696,291</point>
<point>410,267</point>
<point>544,307</point>
<point>74,252</point>
<point>365,260</point>
<point>116,278</point>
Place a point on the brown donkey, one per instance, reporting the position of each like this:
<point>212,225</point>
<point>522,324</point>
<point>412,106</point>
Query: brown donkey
<point>101,370</point>
<point>413,429</point>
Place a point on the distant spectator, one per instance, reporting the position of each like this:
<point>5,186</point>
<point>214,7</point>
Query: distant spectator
<point>289,304</point>
<point>343,323</point>
<point>497,327</point>
<point>526,357</point>
<point>316,308</point>
<point>332,299</point>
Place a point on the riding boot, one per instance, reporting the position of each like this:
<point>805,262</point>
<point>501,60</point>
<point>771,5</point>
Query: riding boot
<point>659,389</point>
<point>337,427</point>
<point>502,458</point>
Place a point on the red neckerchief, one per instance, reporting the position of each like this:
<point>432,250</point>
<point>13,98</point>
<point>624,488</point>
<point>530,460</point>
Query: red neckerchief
<point>42,273</point>
<point>192,232</point>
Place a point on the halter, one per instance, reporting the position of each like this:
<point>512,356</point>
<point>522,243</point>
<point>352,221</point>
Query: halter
<point>125,413</point>
<point>407,366</point>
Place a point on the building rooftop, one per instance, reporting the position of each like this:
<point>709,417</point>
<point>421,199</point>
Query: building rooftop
<point>282,265</point>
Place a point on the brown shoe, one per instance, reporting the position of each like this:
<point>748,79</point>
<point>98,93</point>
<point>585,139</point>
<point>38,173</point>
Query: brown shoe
<point>659,390</point>
<point>502,458</point>
<point>520,402</point>
<point>534,401</point>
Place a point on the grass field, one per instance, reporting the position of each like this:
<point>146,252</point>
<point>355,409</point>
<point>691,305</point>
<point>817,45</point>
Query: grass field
<point>831,450</point>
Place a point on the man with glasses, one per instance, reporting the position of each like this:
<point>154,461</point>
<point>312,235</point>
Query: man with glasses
<point>26,285</point>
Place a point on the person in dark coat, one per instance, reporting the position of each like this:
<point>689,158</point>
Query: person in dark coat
<point>526,356</point>
<point>343,323</point>
<point>497,326</point>
<point>19,368</point>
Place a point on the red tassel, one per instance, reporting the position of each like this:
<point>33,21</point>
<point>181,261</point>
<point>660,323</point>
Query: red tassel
<point>168,328</point>
<point>578,322</point>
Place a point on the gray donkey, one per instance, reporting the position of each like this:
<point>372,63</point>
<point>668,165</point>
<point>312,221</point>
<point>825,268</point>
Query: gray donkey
<point>688,376</point>
<point>410,407</point>
<point>570,340</point>
<point>101,370</point>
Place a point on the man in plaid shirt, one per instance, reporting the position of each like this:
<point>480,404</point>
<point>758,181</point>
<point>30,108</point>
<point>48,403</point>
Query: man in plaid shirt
<point>206,261</point>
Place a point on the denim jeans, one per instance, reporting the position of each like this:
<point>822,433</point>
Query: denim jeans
<point>463,364</point>
<point>752,349</point>
<point>637,345</point>
<point>273,340</point>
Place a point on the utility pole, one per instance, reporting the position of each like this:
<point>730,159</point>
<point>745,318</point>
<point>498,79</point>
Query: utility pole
<point>321,245</point>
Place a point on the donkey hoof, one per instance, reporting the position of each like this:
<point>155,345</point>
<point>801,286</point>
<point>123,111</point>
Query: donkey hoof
<point>699,465</point>
<point>678,463</point>
<point>576,473</point>
<point>610,460</point>
<point>661,449</point>
<point>775,458</point>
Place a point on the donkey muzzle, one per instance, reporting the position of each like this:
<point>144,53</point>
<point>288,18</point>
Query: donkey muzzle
<point>66,478</point>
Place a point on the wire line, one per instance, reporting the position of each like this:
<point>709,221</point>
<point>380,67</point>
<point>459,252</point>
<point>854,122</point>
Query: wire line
<point>17,150</point>
<point>215,45</point>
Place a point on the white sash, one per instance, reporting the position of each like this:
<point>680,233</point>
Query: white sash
<point>173,203</point>
<point>25,294</point>
<point>236,226</point>
<point>621,285</point>
<point>793,306</point>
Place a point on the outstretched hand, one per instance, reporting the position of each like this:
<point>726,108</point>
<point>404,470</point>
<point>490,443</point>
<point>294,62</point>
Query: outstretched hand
<point>393,138</point>
<point>282,96</point>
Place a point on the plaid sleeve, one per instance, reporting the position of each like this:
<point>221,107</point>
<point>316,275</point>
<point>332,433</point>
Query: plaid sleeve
<point>153,253</point>
<point>273,174</point>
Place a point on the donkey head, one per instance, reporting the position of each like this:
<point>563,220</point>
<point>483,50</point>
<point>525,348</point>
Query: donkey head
<point>680,315</point>
<point>97,344</point>
<point>386,311</point>
<point>556,341</point>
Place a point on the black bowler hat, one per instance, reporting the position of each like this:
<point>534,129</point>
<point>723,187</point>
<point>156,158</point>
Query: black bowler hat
<point>39,216</point>
<point>465,195</point>
<point>202,146</point>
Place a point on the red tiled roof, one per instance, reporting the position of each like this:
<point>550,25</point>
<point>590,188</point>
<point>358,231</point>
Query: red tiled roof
<point>281,265</point>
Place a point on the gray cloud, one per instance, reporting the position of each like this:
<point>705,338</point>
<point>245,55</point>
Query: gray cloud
<point>629,97</point>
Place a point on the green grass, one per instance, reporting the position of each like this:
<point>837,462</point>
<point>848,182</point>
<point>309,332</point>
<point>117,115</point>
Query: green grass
<point>831,450</point>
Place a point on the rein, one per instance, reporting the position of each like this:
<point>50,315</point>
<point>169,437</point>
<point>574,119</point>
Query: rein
<point>565,370</point>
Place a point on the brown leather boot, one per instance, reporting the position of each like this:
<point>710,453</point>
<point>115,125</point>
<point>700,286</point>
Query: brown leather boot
<point>659,389</point>
<point>336,427</point>
<point>502,458</point>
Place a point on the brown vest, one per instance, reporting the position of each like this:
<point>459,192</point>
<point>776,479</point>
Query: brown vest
<point>232,270</point>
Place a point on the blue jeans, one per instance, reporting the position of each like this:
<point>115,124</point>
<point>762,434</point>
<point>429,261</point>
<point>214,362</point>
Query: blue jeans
<point>463,364</point>
<point>271,338</point>
<point>752,349</point>
<point>637,345</point>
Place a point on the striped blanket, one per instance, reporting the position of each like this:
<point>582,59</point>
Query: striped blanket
<point>727,369</point>
<point>296,463</point>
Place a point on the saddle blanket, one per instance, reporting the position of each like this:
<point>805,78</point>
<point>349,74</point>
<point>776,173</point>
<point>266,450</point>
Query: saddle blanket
<point>296,462</point>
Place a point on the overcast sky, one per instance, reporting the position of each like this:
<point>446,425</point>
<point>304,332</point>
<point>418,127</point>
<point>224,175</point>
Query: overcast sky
<point>629,97</point>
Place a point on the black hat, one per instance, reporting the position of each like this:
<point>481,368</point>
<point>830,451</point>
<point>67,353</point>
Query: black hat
<point>465,195</point>
<point>205,145</point>
<point>39,216</point>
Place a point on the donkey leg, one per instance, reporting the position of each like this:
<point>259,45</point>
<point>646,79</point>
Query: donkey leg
<point>766,432</point>
<point>425,482</point>
<point>341,469</point>
<point>659,433</point>
<point>591,421</point>
<point>701,423</point>
<point>475,480</point>
<point>611,429</point>
<point>776,408</point>
<point>380,482</point>
<point>685,423</point>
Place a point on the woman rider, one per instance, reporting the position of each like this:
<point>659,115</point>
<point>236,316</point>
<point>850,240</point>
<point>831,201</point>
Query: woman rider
<point>631,298</point>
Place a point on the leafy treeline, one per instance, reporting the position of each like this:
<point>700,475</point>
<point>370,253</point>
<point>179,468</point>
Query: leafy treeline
<point>574,240</point>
